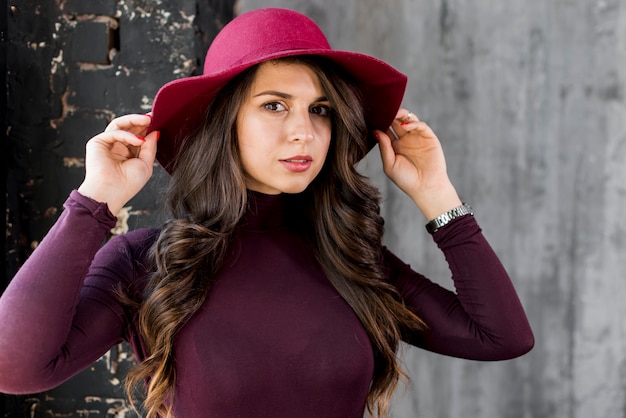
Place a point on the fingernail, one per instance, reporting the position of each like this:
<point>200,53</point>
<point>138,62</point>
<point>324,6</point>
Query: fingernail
<point>141,137</point>
<point>404,123</point>
<point>148,114</point>
<point>376,135</point>
<point>158,135</point>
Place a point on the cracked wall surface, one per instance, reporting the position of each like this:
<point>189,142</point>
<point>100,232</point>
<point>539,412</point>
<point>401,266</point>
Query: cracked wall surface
<point>72,66</point>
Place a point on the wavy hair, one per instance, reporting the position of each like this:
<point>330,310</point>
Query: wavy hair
<point>207,197</point>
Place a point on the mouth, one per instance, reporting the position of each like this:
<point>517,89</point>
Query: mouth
<point>298,163</point>
<point>304,158</point>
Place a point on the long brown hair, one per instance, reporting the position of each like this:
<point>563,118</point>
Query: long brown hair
<point>207,197</point>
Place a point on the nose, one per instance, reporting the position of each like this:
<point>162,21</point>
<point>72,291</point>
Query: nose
<point>301,126</point>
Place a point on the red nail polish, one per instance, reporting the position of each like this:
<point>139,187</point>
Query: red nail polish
<point>158,135</point>
<point>404,123</point>
<point>140,137</point>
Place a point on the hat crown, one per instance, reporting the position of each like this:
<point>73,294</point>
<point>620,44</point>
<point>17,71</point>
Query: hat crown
<point>254,37</point>
<point>260,35</point>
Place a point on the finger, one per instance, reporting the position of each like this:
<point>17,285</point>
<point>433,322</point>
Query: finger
<point>118,144</point>
<point>134,123</point>
<point>392,134</point>
<point>401,113</point>
<point>410,117</point>
<point>118,136</point>
<point>421,128</point>
<point>387,153</point>
<point>405,116</point>
<point>126,151</point>
<point>395,129</point>
<point>147,151</point>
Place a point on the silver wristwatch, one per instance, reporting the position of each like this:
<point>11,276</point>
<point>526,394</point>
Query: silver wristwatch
<point>442,220</point>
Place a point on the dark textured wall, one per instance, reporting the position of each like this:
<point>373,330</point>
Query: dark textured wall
<point>72,66</point>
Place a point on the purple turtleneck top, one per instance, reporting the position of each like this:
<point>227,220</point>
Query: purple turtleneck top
<point>274,338</point>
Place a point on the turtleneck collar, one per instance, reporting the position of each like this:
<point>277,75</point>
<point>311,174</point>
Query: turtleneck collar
<point>266,212</point>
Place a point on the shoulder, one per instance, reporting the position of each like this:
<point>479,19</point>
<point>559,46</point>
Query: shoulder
<point>125,258</point>
<point>391,262</point>
<point>132,247</point>
<point>137,243</point>
<point>139,238</point>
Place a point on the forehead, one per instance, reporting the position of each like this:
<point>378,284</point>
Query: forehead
<point>285,73</point>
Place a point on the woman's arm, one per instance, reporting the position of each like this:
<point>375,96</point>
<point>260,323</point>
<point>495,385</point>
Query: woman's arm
<point>52,325</point>
<point>48,331</point>
<point>483,319</point>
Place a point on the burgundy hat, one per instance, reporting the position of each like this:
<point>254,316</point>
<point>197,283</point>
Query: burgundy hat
<point>254,37</point>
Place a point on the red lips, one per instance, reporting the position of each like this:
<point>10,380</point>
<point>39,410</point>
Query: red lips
<point>297,163</point>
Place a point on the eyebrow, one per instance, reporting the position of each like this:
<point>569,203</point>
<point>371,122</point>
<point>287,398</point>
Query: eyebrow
<point>287,96</point>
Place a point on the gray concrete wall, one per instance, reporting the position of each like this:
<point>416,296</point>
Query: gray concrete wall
<point>528,99</point>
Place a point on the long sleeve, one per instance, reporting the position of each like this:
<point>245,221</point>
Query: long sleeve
<point>52,326</point>
<point>484,319</point>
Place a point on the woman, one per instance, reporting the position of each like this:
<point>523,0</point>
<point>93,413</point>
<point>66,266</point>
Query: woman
<point>268,292</point>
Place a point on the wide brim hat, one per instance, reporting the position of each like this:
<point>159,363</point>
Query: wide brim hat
<point>254,37</point>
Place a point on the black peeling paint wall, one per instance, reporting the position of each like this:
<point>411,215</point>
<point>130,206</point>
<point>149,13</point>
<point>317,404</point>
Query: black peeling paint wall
<point>71,66</point>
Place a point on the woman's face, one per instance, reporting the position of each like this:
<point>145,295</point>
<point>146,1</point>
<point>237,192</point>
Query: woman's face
<point>284,128</point>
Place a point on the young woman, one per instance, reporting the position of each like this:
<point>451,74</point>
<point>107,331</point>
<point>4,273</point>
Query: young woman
<point>268,291</point>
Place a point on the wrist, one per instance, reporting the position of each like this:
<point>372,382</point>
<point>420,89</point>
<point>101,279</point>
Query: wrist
<point>96,194</point>
<point>438,201</point>
<point>445,218</point>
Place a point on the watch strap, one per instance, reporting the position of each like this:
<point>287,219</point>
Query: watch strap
<point>445,218</point>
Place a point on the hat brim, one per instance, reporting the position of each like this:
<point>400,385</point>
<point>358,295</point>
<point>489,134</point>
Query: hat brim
<point>180,105</point>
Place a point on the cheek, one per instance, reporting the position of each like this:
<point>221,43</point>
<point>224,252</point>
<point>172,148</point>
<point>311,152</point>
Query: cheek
<point>324,132</point>
<point>248,137</point>
<point>327,142</point>
<point>248,155</point>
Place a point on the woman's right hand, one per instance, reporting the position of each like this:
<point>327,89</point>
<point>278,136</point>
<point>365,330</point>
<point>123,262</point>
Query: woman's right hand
<point>119,161</point>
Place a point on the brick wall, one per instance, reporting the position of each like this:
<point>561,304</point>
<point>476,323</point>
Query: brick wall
<point>71,67</point>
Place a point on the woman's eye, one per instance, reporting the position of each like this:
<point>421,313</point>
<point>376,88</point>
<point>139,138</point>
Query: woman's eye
<point>274,106</point>
<point>321,110</point>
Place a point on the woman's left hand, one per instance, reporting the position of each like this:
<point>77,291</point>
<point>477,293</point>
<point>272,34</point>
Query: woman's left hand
<point>416,164</point>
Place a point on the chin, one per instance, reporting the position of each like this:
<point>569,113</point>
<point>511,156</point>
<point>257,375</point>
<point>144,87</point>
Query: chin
<point>294,188</point>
